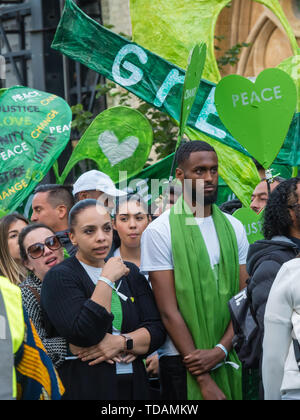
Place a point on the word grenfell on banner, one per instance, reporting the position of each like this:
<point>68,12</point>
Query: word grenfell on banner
<point>152,78</point>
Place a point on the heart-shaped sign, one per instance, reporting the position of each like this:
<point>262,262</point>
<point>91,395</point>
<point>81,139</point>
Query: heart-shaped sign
<point>258,115</point>
<point>118,140</point>
<point>117,151</point>
<point>252,222</point>
<point>35,128</point>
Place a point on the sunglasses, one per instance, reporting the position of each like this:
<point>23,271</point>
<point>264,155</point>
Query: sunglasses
<point>37,250</point>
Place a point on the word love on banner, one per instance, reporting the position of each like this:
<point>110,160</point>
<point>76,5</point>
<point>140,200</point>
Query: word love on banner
<point>258,114</point>
<point>119,139</point>
<point>35,128</point>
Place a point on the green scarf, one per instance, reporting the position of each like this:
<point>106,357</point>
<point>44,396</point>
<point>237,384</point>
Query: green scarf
<point>116,310</point>
<point>202,301</point>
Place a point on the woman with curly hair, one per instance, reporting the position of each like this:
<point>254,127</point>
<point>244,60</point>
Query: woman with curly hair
<point>282,243</point>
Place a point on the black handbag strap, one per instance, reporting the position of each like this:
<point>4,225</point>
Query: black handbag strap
<point>297,352</point>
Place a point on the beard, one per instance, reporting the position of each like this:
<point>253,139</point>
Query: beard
<point>211,198</point>
<point>207,198</point>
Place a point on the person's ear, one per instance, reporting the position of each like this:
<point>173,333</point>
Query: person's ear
<point>72,237</point>
<point>62,211</point>
<point>179,174</point>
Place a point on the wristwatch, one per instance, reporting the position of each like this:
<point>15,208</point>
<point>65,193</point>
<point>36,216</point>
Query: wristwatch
<point>128,342</point>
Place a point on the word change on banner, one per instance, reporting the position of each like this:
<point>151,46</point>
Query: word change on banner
<point>35,128</point>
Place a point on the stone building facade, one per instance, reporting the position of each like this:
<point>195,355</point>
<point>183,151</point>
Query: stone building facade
<point>245,21</point>
<point>251,22</point>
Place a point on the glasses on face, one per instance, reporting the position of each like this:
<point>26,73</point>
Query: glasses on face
<point>37,250</point>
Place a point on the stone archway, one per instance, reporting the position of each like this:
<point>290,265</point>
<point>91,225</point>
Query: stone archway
<point>251,22</point>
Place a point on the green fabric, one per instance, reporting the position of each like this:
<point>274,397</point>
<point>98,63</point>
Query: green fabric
<point>251,382</point>
<point>202,304</point>
<point>116,310</point>
<point>159,83</point>
<point>66,254</point>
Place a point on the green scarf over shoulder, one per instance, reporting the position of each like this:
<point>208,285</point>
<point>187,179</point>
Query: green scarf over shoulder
<point>201,299</point>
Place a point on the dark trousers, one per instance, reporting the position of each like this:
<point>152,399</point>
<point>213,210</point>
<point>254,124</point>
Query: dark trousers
<point>172,378</point>
<point>125,387</point>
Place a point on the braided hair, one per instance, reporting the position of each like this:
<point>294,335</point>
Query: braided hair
<point>277,219</point>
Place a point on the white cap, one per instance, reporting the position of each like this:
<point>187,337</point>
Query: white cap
<point>96,181</point>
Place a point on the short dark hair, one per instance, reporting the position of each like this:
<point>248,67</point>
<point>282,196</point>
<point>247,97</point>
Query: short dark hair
<point>77,209</point>
<point>24,232</point>
<point>184,151</point>
<point>58,195</point>
<point>277,219</point>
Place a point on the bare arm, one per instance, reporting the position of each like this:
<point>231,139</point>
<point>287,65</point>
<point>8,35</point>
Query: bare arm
<point>163,286</point>
<point>164,291</point>
<point>243,276</point>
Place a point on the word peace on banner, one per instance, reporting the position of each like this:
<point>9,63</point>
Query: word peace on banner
<point>150,77</point>
<point>258,114</point>
<point>35,128</point>
<point>118,140</point>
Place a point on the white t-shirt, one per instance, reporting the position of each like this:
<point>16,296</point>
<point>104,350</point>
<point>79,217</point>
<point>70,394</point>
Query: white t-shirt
<point>156,247</point>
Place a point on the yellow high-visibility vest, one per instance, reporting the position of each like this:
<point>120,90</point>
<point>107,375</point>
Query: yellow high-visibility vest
<point>12,328</point>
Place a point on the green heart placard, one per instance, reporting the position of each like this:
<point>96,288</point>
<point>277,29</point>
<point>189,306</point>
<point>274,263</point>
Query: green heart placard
<point>118,140</point>
<point>35,128</point>
<point>258,115</point>
<point>252,223</point>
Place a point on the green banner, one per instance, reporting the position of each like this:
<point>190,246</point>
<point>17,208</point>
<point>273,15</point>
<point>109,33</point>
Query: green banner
<point>151,78</point>
<point>118,140</point>
<point>35,128</point>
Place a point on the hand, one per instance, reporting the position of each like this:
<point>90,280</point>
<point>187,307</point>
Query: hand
<point>75,350</point>
<point>209,389</point>
<point>202,361</point>
<point>127,358</point>
<point>152,365</point>
<point>114,269</point>
<point>108,350</point>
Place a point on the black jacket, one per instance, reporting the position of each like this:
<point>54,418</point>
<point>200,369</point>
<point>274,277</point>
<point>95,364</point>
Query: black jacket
<point>264,260</point>
<point>70,313</point>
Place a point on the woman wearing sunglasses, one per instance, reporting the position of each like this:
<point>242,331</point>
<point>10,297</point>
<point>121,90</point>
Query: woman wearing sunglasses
<point>106,309</point>
<point>40,250</point>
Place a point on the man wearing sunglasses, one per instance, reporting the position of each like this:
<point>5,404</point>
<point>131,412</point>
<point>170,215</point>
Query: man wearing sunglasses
<point>51,205</point>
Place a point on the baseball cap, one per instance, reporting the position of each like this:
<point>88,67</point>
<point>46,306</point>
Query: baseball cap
<point>97,181</point>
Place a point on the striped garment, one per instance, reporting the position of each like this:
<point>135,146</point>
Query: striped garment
<point>37,378</point>
<point>56,347</point>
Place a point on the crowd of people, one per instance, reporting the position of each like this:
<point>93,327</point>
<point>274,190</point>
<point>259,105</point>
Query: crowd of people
<point>124,303</point>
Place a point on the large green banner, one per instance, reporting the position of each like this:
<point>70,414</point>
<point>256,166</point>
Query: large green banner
<point>35,128</point>
<point>151,78</point>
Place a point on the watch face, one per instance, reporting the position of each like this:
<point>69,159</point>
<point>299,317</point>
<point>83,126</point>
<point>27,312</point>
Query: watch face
<point>129,343</point>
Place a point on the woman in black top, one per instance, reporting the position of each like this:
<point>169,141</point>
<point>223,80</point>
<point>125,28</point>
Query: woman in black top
<point>105,310</point>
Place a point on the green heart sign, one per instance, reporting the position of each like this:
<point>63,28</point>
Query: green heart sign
<point>258,115</point>
<point>252,223</point>
<point>118,140</point>
<point>35,128</point>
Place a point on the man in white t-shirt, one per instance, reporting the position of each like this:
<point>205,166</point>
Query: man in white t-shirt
<point>197,160</point>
